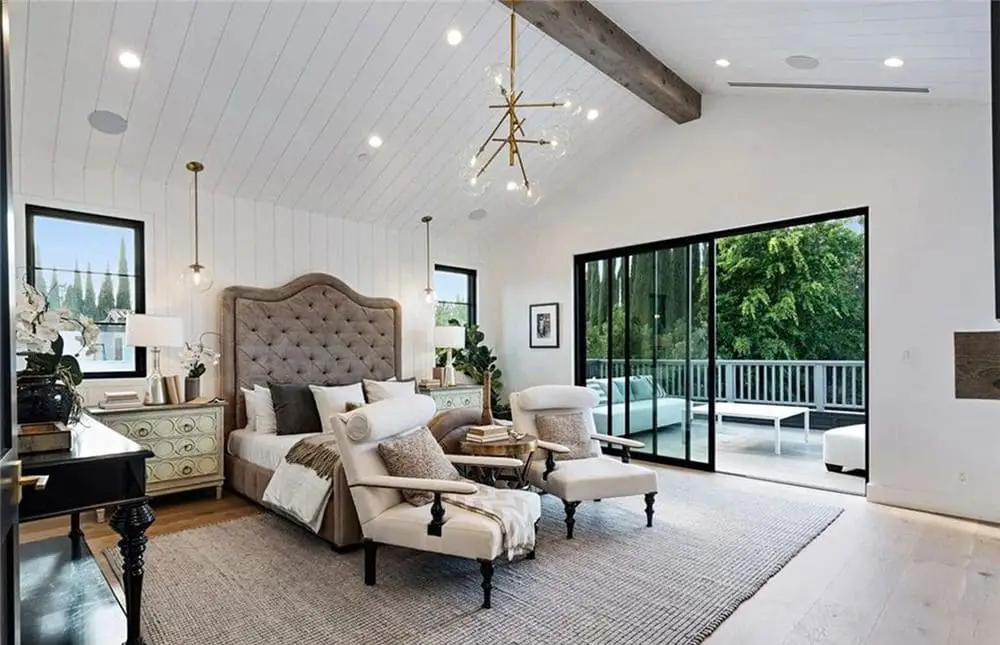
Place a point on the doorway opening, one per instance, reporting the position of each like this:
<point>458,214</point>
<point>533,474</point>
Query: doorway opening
<point>743,351</point>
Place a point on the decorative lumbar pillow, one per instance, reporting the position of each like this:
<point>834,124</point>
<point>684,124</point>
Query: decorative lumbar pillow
<point>250,405</point>
<point>380,390</point>
<point>417,454</point>
<point>260,406</point>
<point>568,429</point>
<point>351,406</point>
<point>294,409</point>
<point>331,400</point>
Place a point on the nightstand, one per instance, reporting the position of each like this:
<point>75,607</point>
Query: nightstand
<point>458,396</point>
<point>186,441</point>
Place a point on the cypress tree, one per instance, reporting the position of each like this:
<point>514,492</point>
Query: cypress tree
<point>74,294</point>
<point>40,275</point>
<point>123,299</point>
<point>106,298</point>
<point>89,305</point>
<point>55,300</point>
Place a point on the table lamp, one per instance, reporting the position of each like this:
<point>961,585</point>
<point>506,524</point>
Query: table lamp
<point>449,338</point>
<point>154,332</point>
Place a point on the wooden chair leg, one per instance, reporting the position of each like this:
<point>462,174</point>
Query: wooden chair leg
<point>486,568</point>
<point>570,521</point>
<point>649,508</point>
<point>371,548</point>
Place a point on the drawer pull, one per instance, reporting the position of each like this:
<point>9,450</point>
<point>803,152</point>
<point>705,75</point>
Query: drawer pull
<point>187,427</point>
<point>142,432</point>
<point>188,447</point>
<point>187,470</point>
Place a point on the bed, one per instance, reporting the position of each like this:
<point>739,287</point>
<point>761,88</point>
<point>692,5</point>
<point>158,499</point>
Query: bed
<point>314,330</point>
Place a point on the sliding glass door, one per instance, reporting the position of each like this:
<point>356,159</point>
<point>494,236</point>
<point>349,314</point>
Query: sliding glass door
<point>643,319</point>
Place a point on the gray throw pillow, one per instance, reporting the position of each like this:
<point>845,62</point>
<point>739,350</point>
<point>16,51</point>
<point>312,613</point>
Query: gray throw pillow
<point>568,429</point>
<point>294,409</point>
<point>417,454</point>
<point>642,388</point>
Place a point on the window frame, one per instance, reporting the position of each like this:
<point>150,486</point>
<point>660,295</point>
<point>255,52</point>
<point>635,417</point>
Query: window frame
<point>138,228</point>
<point>470,276</point>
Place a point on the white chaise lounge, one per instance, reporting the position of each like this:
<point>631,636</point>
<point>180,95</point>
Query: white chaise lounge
<point>844,448</point>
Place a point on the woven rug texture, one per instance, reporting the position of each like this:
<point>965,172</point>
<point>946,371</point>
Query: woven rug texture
<point>263,581</point>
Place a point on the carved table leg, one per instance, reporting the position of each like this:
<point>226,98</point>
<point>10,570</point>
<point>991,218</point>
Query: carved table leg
<point>130,522</point>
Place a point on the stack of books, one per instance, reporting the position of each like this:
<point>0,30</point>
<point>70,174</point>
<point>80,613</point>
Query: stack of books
<point>486,434</point>
<point>120,400</point>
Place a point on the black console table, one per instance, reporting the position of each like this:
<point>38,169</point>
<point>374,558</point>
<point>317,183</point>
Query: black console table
<point>103,469</point>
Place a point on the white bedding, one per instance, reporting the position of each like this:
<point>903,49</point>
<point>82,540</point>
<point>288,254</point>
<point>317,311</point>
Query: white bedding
<point>264,450</point>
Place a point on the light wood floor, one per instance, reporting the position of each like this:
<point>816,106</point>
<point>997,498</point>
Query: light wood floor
<point>877,576</point>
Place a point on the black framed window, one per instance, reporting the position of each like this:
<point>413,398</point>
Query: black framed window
<point>456,293</point>
<point>93,265</point>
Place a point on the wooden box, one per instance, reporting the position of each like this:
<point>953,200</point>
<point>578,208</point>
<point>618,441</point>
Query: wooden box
<point>44,437</point>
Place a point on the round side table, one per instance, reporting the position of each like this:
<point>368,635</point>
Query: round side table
<point>521,449</point>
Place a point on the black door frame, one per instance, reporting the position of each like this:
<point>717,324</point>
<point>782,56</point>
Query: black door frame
<point>579,307</point>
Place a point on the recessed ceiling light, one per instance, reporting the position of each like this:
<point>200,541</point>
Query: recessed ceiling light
<point>364,157</point>
<point>129,60</point>
<point>893,61</point>
<point>478,214</point>
<point>107,122</point>
<point>801,61</point>
<point>722,62</point>
<point>375,141</point>
<point>454,37</point>
<point>592,114</point>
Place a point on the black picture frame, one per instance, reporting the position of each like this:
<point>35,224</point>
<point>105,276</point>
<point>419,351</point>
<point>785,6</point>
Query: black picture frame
<point>543,325</point>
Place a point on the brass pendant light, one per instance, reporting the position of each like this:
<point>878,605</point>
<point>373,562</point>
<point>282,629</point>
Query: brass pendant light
<point>197,276</point>
<point>430,297</point>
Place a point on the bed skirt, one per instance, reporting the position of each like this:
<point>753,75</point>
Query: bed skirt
<point>340,527</point>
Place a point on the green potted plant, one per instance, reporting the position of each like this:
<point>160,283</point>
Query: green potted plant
<point>477,359</point>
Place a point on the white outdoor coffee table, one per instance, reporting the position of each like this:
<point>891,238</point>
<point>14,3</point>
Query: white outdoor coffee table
<point>775,413</point>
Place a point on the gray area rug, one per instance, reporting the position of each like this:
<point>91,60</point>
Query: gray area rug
<point>260,580</point>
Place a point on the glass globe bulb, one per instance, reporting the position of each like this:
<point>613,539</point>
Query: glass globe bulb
<point>529,195</point>
<point>571,107</point>
<point>558,142</point>
<point>497,78</point>
<point>474,185</point>
<point>430,297</point>
<point>471,159</point>
<point>197,278</point>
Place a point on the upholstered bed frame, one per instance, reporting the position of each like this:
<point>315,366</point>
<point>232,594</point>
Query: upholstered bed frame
<point>314,330</point>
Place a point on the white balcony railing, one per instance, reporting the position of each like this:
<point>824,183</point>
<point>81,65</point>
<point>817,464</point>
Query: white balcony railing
<point>820,385</point>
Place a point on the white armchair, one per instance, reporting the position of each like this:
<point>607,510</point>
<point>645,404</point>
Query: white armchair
<point>387,519</point>
<point>577,480</point>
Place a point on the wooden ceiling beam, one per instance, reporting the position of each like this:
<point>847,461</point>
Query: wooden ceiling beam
<point>583,29</point>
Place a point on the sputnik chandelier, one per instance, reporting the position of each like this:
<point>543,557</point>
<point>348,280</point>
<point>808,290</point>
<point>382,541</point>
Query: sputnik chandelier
<point>553,142</point>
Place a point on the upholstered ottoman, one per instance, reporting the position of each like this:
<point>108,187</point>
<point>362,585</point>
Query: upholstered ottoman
<point>844,448</point>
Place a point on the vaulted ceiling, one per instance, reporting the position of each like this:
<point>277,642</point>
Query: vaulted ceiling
<point>279,98</point>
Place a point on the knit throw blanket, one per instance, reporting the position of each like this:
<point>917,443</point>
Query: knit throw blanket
<point>511,510</point>
<point>302,484</point>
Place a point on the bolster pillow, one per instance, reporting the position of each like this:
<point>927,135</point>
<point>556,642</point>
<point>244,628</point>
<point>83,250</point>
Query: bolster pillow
<point>552,397</point>
<point>388,417</point>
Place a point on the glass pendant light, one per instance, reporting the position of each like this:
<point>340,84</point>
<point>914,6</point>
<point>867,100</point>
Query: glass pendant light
<point>197,276</point>
<point>430,297</point>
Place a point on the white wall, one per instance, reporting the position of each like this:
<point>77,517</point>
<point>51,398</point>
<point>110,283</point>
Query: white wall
<point>248,243</point>
<point>924,171</point>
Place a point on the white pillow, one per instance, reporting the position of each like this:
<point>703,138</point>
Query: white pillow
<point>331,400</point>
<point>250,405</point>
<point>266,423</point>
<point>380,390</point>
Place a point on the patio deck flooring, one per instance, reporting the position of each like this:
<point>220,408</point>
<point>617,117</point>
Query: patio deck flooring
<point>748,449</point>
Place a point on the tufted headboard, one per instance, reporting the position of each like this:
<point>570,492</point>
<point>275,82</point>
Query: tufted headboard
<point>314,329</point>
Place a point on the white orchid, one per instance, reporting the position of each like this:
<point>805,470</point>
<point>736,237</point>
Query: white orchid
<point>195,356</point>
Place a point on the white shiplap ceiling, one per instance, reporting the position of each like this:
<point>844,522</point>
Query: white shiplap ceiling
<point>278,98</point>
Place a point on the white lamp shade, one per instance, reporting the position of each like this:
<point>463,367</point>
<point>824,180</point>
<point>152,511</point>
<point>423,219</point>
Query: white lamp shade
<point>452,337</point>
<point>142,330</point>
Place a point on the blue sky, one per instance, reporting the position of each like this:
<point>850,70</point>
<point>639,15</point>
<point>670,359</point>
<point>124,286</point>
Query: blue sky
<point>59,242</point>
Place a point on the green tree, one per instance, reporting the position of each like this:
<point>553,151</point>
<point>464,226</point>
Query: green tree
<point>39,275</point>
<point>123,299</point>
<point>74,293</point>
<point>54,295</point>
<point>106,297</point>
<point>89,305</point>
<point>448,311</point>
<point>791,294</point>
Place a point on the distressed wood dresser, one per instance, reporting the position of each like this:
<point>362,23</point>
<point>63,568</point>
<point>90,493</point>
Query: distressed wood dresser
<point>186,441</point>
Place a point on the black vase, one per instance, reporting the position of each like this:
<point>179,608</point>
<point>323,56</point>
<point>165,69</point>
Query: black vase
<point>43,399</point>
